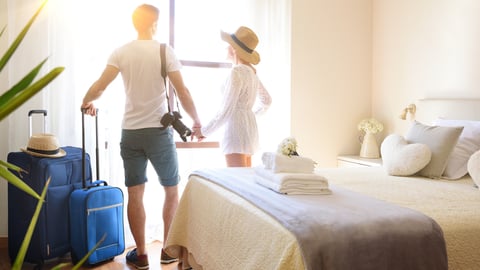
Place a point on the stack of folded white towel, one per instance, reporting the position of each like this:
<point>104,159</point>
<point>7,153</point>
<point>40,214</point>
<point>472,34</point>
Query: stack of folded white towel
<point>290,175</point>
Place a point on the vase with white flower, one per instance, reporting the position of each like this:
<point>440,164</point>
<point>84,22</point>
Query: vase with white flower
<point>369,127</point>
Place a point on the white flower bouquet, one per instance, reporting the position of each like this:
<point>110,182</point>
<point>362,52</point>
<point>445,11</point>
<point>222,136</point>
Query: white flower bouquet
<point>370,125</point>
<point>288,147</point>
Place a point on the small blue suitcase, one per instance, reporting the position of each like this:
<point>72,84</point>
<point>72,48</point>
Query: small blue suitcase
<point>51,237</point>
<point>96,211</point>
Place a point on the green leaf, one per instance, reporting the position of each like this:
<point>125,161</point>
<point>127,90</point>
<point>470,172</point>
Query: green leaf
<point>62,265</point>
<point>14,103</point>
<point>12,167</point>
<point>14,180</point>
<point>22,84</point>
<point>19,39</point>
<point>3,30</point>
<point>82,261</point>
<point>28,236</point>
<point>10,101</point>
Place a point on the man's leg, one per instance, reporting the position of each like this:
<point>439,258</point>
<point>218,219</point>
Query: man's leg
<point>169,207</point>
<point>163,156</point>
<point>136,216</point>
<point>135,165</point>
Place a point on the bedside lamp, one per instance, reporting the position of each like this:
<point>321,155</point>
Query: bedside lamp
<point>410,109</point>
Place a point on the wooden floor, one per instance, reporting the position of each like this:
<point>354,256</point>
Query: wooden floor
<point>118,263</point>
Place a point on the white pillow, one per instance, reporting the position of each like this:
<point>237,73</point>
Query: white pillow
<point>468,143</point>
<point>440,140</point>
<point>473,167</point>
<point>401,158</point>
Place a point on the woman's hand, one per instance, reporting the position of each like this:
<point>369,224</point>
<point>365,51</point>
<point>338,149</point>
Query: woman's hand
<point>197,132</point>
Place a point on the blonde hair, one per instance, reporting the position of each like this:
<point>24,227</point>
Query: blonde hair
<point>144,16</point>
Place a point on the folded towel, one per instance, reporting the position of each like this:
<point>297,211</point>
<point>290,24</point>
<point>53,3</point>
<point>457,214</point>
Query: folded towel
<point>291,190</point>
<point>281,163</point>
<point>292,183</point>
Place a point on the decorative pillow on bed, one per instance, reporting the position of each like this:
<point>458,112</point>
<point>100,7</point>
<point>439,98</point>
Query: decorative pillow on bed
<point>440,140</point>
<point>468,143</point>
<point>401,158</point>
<point>473,167</point>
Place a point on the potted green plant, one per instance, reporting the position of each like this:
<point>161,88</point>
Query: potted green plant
<point>10,100</point>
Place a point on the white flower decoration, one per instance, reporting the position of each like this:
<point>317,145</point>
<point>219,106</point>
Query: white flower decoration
<point>370,125</point>
<point>288,147</point>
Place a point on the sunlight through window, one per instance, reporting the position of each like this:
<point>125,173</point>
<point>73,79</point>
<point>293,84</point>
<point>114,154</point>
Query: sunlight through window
<point>84,34</point>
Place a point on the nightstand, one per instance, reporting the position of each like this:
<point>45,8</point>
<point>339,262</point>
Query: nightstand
<point>357,161</point>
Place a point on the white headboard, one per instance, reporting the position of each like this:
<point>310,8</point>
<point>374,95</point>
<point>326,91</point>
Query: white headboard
<point>459,109</point>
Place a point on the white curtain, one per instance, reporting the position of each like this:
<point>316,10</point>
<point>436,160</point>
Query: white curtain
<point>80,35</point>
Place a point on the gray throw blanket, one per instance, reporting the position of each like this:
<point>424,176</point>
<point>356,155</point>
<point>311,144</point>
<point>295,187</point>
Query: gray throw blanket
<point>344,230</point>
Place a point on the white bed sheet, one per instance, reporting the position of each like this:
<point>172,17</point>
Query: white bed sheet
<point>216,229</point>
<point>455,205</point>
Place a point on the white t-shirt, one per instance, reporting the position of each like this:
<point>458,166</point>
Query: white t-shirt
<point>140,66</point>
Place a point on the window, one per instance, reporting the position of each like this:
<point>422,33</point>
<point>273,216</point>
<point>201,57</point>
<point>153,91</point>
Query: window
<point>194,32</point>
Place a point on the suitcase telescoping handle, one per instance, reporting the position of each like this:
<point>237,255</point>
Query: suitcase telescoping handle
<point>30,127</point>
<point>84,180</point>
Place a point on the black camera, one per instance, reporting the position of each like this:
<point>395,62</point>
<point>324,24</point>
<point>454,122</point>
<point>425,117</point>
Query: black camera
<point>173,118</point>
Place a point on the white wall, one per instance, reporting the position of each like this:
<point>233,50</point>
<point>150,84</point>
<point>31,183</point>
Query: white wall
<point>331,76</point>
<point>423,49</point>
<point>353,59</point>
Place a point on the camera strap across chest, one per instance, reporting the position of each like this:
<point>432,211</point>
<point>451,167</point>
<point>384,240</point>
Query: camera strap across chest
<point>164,76</point>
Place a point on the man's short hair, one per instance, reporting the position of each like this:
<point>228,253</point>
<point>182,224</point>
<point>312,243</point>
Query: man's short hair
<point>144,16</point>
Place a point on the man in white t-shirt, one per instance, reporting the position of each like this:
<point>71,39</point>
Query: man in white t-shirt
<point>143,136</point>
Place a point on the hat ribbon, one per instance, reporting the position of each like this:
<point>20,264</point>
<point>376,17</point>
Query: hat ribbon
<point>44,152</point>
<point>239,43</point>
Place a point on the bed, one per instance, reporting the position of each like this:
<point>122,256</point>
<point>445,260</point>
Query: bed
<point>223,225</point>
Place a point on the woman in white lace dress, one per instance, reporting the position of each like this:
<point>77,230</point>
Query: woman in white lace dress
<point>244,96</point>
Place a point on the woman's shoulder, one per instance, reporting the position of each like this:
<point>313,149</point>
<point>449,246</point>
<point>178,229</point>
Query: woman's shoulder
<point>242,69</point>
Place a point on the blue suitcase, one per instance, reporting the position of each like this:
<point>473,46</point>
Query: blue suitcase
<point>51,238</point>
<point>96,214</point>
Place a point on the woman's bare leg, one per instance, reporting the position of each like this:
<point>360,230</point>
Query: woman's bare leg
<point>249,161</point>
<point>238,160</point>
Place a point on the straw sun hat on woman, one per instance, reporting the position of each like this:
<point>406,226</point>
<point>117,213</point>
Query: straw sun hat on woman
<point>244,41</point>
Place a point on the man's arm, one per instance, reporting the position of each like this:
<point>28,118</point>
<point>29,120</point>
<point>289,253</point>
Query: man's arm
<point>98,87</point>
<point>184,96</point>
<point>186,100</point>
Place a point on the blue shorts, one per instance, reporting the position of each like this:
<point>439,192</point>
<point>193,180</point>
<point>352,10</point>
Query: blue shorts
<point>139,146</point>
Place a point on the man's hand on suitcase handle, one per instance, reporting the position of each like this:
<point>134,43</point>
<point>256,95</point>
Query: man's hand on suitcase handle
<point>89,109</point>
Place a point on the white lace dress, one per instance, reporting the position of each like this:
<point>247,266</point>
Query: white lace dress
<point>243,96</point>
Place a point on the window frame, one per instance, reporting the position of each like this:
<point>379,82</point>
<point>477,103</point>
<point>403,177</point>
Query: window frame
<point>171,42</point>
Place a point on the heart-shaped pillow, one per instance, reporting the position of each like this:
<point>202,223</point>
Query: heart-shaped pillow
<point>473,167</point>
<point>401,158</point>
